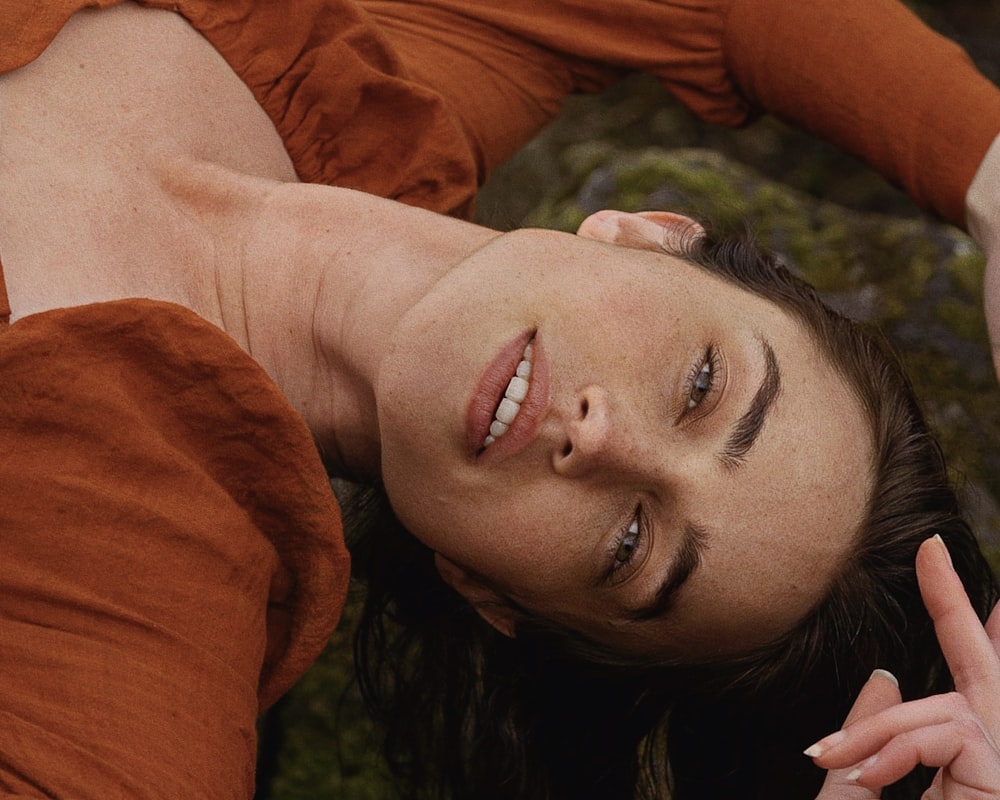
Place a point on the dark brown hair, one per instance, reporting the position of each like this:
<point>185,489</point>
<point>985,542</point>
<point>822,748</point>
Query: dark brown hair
<point>469,713</point>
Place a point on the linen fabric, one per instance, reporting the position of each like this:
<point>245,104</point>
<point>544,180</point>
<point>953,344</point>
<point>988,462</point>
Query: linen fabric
<point>171,551</point>
<point>419,100</point>
<point>172,555</point>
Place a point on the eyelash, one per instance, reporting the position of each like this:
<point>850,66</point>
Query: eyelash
<point>709,367</point>
<point>638,523</point>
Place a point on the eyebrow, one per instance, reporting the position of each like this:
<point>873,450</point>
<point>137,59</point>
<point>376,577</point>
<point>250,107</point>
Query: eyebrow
<point>748,427</point>
<point>693,545</point>
<point>695,540</point>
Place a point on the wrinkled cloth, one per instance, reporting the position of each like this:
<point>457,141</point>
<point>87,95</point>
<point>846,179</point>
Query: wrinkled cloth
<point>171,554</point>
<point>170,551</point>
<point>418,100</point>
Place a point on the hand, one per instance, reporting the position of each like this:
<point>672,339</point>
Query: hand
<point>956,731</point>
<point>982,205</point>
<point>991,301</point>
<point>879,693</point>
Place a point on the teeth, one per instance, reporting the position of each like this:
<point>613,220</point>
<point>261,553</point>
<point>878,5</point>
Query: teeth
<point>516,391</point>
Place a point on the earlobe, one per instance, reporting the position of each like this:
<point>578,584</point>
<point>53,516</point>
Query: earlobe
<point>487,602</point>
<point>662,231</point>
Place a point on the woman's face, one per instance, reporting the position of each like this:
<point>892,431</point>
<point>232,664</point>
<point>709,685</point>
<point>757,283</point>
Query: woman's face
<point>683,475</point>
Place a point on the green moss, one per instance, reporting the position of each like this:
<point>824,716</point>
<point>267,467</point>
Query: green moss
<point>964,319</point>
<point>966,272</point>
<point>328,746</point>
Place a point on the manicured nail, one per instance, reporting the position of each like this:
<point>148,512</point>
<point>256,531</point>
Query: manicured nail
<point>884,673</point>
<point>945,548</point>
<point>824,744</point>
<point>856,773</point>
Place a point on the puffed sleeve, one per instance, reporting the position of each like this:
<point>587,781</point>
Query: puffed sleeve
<point>867,75</point>
<point>27,27</point>
<point>172,555</point>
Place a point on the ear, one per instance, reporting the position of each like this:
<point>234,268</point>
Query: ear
<point>489,604</point>
<point>662,231</point>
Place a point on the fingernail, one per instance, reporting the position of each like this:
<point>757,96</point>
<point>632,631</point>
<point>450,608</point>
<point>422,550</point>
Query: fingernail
<point>884,673</point>
<point>945,548</point>
<point>855,773</point>
<point>824,744</point>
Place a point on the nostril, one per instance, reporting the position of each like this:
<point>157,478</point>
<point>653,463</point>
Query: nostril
<point>584,407</point>
<point>567,449</point>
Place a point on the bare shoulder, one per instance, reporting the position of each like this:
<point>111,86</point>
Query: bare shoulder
<point>85,130</point>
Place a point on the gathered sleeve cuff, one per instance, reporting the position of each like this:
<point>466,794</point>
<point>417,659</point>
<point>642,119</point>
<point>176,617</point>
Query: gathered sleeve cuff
<point>871,78</point>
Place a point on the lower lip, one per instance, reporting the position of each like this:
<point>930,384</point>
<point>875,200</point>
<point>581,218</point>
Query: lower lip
<point>490,388</point>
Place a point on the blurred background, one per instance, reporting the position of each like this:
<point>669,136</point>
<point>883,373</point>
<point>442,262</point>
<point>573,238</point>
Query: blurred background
<point>860,241</point>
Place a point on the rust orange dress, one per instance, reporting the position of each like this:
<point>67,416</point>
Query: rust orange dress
<point>171,554</point>
<point>419,100</point>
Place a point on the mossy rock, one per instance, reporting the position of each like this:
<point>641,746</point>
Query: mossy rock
<point>915,278</point>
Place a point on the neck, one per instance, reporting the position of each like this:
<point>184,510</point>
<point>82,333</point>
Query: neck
<point>312,281</point>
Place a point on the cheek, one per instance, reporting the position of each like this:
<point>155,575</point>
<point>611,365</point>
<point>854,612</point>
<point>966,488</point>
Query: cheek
<point>515,542</point>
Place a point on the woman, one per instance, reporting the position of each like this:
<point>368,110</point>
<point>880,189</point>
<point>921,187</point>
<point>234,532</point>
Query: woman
<point>168,179</point>
<point>734,718</point>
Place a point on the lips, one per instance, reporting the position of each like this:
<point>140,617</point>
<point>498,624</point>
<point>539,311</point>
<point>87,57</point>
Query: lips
<point>508,400</point>
<point>510,405</point>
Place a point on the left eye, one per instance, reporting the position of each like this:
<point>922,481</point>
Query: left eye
<point>702,381</point>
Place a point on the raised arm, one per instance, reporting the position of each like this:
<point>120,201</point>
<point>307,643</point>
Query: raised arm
<point>983,205</point>
<point>869,76</point>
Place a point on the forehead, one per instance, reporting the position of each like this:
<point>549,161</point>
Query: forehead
<point>775,560</point>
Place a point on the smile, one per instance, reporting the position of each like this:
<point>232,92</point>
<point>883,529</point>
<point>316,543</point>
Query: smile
<point>510,404</point>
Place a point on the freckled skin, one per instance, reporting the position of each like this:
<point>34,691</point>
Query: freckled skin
<point>625,332</point>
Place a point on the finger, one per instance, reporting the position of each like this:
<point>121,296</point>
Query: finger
<point>991,303</point>
<point>879,693</point>
<point>966,646</point>
<point>837,786</point>
<point>993,628</point>
<point>936,790</point>
<point>962,747</point>
<point>867,736</point>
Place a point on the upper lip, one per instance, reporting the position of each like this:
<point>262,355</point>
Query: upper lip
<point>488,391</point>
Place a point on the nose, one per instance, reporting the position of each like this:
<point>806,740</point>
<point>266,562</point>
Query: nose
<point>597,438</point>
